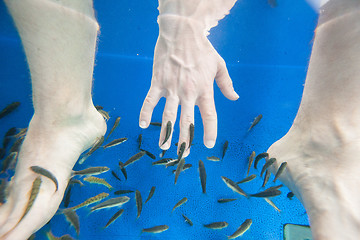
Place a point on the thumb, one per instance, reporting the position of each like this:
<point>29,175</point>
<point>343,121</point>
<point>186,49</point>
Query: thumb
<point>224,82</point>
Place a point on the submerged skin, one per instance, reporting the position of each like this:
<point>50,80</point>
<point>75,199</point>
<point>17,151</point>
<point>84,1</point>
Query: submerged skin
<point>184,68</point>
<point>320,148</point>
<point>322,145</point>
<point>65,122</point>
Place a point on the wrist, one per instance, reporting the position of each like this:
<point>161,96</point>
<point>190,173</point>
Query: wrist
<point>174,27</point>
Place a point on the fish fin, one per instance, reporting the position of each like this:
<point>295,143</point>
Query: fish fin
<point>89,211</point>
<point>60,211</point>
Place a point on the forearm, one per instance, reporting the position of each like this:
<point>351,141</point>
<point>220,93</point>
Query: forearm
<point>206,12</point>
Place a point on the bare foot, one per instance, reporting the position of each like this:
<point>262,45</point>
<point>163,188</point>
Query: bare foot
<point>323,172</point>
<point>55,146</point>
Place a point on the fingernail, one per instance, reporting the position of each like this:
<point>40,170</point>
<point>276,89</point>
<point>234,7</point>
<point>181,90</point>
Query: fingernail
<point>209,143</point>
<point>237,96</point>
<point>165,146</point>
<point>143,124</point>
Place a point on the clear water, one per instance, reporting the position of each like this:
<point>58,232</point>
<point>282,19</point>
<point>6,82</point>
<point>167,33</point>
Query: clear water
<point>266,50</point>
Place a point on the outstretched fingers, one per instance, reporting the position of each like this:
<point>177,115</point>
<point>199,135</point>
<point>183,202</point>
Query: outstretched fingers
<point>209,117</point>
<point>151,100</point>
<point>224,82</point>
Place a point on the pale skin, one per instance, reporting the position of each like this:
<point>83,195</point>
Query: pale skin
<point>320,147</point>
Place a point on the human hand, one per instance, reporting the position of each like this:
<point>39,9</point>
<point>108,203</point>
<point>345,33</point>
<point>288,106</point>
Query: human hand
<point>185,65</point>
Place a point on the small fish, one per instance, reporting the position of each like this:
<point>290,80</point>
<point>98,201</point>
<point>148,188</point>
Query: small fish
<point>100,181</point>
<point>225,147</point>
<point>6,142</point>
<point>266,178</point>
<point>267,165</point>
<point>139,140</point>
<point>11,132</point>
<point>32,237</point>
<point>116,124</point>
<point>3,187</point>
<point>162,161</point>
<point>213,158</point>
<point>186,166</point>
<point>192,131</point>
<point>242,229</point>
<point>274,187</point>
<point>121,165</point>
<point>33,194</point>
<point>75,181</point>
<point>91,200</point>
<point>2,153</point>
<point>98,107</point>
<point>114,217</point>
<point>233,186</point>
<point>273,3</point>
<point>256,121</point>
<point>73,219</point>
<point>51,236</point>
<point>181,150</point>
<point>104,114</point>
<point>91,171</point>
<point>157,124</point>
<point>216,225</point>
<point>162,153</point>
<point>290,195</point>
<point>247,179</point>
<point>17,145</point>
<point>119,192</point>
<point>152,191</point>
<point>152,156</point>
<point>202,176</point>
<point>7,137</point>
<point>96,145</point>
<point>45,173</point>
<point>138,200</point>
<point>272,204</point>
<point>156,229</point>
<point>134,158</point>
<point>168,132</point>
<point>187,220</point>
<point>7,161</point>
<point>115,142</point>
<point>179,169</point>
<point>67,196</point>
<point>225,200</point>
<point>172,162</point>
<point>21,133</point>
<point>9,109</point>
<point>267,193</point>
<point>280,170</point>
<point>83,158</point>
<point>115,175</point>
<point>259,157</point>
<point>113,202</point>
<point>251,159</point>
<point>179,203</point>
